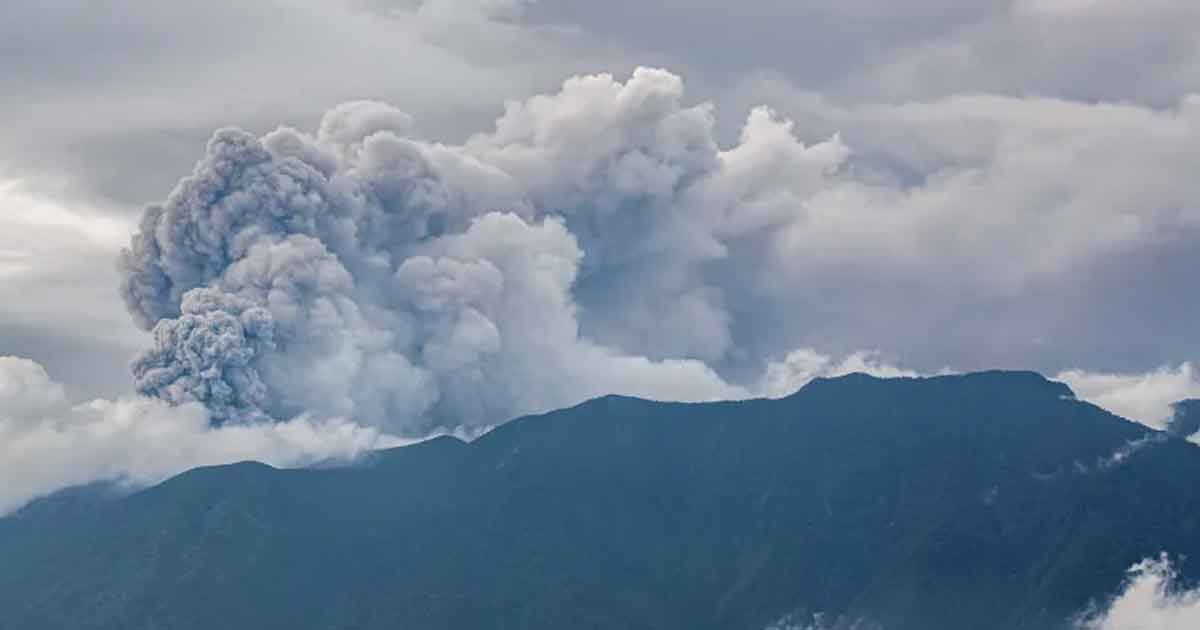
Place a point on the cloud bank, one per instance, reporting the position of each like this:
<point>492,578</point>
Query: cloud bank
<point>1147,398</point>
<point>48,443</point>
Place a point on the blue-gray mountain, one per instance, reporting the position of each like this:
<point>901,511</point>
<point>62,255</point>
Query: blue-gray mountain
<point>988,501</point>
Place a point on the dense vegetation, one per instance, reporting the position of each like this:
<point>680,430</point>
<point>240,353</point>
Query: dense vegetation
<point>986,501</point>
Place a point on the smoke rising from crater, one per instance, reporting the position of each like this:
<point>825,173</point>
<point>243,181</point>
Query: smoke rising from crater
<point>598,239</point>
<point>364,272</point>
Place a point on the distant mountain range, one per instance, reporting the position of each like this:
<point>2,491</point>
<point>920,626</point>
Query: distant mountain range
<point>984,501</point>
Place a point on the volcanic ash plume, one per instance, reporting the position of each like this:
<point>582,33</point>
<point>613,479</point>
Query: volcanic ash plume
<point>591,243</point>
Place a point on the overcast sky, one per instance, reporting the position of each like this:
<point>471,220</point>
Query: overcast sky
<point>436,215</point>
<point>441,214</point>
<point>1018,188</point>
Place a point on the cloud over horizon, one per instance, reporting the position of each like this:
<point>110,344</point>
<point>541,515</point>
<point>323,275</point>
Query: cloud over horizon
<point>1146,398</point>
<point>48,443</point>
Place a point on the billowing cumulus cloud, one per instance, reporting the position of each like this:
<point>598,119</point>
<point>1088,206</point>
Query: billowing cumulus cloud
<point>981,230</point>
<point>48,443</point>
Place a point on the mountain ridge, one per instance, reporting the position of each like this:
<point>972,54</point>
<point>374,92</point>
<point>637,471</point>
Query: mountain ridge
<point>976,500</point>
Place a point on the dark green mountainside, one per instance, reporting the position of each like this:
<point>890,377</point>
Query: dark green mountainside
<point>985,501</point>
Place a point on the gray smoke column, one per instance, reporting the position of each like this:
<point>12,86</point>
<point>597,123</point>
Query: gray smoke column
<point>589,244</point>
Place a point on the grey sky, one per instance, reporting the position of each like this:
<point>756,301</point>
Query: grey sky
<point>1038,225</point>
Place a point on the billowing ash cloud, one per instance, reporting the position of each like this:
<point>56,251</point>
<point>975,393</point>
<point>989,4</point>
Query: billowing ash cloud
<point>600,240</point>
<point>363,272</point>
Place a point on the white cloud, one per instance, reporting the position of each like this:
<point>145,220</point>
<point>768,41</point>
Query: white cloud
<point>1150,601</point>
<point>795,370</point>
<point>48,443</point>
<point>1144,398</point>
<point>25,212</point>
<point>1004,191</point>
<point>985,230</point>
